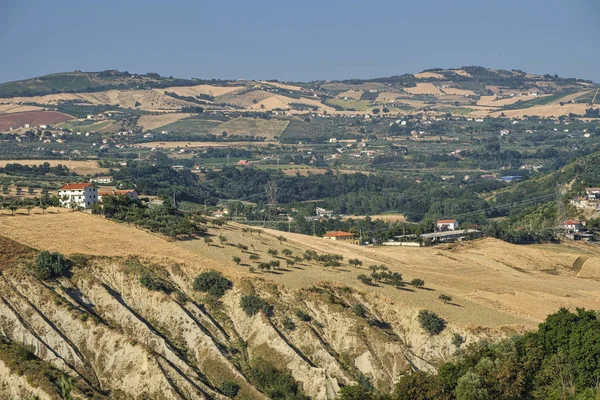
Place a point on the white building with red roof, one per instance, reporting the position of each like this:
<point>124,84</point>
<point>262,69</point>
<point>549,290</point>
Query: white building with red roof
<point>339,235</point>
<point>447,225</point>
<point>84,195</point>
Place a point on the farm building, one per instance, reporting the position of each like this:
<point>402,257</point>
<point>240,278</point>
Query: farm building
<point>102,179</point>
<point>451,236</point>
<point>571,225</point>
<point>593,193</point>
<point>447,225</point>
<point>83,195</point>
<point>339,235</point>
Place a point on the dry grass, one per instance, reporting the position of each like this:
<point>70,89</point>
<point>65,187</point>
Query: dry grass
<point>283,86</point>
<point>493,101</point>
<point>203,89</point>
<point>550,110</point>
<point>14,108</point>
<point>77,166</point>
<point>149,122</point>
<point>427,75</point>
<point>460,92</point>
<point>424,88</point>
<point>462,73</point>
<point>494,283</point>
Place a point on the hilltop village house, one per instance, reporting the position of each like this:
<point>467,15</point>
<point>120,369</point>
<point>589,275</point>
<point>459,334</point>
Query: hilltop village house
<point>84,195</point>
<point>132,194</point>
<point>447,225</point>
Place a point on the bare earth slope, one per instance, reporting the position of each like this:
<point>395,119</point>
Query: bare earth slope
<point>115,336</point>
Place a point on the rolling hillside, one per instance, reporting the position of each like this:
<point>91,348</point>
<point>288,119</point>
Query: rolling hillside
<point>118,336</point>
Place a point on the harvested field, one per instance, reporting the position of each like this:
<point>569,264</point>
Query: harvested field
<point>33,118</point>
<point>495,283</point>
<point>550,110</point>
<point>424,88</point>
<point>203,89</point>
<point>429,75</point>
<point>15,108</point>
<point>384,217</point>
<point>149,122</point>
<point>462,73</point>
<point>493,101</point>
<point>283,86</point>
<point>78,166</point>
<point>460,92</point>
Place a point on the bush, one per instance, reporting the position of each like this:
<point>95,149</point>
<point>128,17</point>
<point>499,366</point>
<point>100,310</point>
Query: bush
<point>360,310</point>
<point>51,265</point>
<point>418,283</point>
<point>275,383</point>
<point>213,283</point>
<point>236,260</point>
<point>302,316</point>
<point>445,298</point>
<point>431,322</point>
<point>252,304</point>
<point>365,279</point>
<point>289,324</point>
<point>229,389</point>
<point>457,339</point>
<point>152,281</point>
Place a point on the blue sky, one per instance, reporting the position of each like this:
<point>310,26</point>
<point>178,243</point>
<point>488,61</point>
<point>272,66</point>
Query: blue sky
<point>298,40</point>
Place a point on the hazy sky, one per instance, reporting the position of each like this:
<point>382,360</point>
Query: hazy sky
<point>298,40</point>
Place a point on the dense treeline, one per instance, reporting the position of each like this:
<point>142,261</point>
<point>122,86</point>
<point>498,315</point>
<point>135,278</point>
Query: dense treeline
<point>162,219</point>
<point>358,193</point>
<point>162,180</point>
<point>561,360</point>
<point>36,170</point>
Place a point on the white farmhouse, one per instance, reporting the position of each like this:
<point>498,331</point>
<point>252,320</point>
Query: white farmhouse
<point>447,225</point>
<point>83,194</point>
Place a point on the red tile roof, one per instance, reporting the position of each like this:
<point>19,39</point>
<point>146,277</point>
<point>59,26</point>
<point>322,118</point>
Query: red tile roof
<point>338,234</point>
<point>75,186</point>
<point>571,222</point>
<point>446,221</point>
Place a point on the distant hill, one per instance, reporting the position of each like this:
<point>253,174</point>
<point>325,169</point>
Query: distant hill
<point>79,82</point>
<point>472,91</point>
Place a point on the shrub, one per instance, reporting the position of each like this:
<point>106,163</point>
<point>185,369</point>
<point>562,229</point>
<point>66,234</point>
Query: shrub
<point>275,383</point>
<point>229,389</point>
<point>254,257</point>
<point>356,262</point>
<point>236,260</point>
<point>418,283</point>
<point>213,283</point>
<point>431,322</point>
<point>289,324</point>
<point>252,304</point>
<point>51,265</point>
<point>360,310</point>
<point>457,339</point>
<point>445,298</point>
<point>152,281</point>
<point>286,252</point>
<point>365,279</point>
<point>302,316</point>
